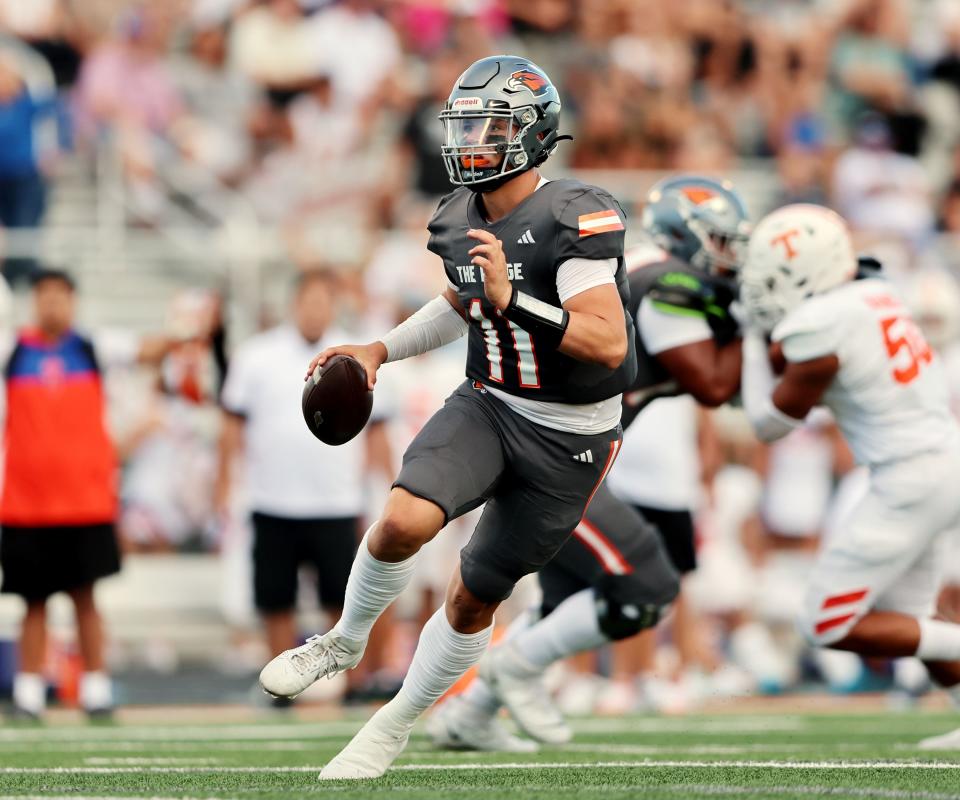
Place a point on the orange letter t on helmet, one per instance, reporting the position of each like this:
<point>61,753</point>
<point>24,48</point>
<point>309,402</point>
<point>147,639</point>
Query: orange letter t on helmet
<point>784,238</point>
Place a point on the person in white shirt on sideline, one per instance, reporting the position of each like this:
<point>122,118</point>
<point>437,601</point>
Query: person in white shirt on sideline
<point>306,498</point>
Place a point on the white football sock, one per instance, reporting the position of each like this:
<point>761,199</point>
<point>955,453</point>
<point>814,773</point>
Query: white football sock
<point>442,656</point>
<point>30,692</point>
<point>572,627</point>
<point>96,691</point>
<point>939,641</point>
<point>371,587</point>
<point>478,694</point>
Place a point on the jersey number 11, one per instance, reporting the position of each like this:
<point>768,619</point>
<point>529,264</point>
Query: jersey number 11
<point>526,357</point>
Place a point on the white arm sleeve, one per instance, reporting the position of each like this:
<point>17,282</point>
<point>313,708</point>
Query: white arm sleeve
<point>433,326</point>
<point>662,330</point>
<point>576,275</point>
<point>757,383</point>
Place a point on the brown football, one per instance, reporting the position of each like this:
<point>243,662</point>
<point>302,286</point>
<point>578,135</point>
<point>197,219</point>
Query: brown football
<point>777,360</point>
<point>336,401</point>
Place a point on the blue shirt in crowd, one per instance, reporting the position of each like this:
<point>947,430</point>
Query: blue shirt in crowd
<point>19,121</point>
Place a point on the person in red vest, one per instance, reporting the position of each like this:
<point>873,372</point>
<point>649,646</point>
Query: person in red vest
<point>59,497</point>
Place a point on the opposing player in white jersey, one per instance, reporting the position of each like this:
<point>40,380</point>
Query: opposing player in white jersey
<point>852,346</point>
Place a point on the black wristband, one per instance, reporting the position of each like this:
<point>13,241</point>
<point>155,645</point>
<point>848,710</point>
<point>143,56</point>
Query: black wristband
<point>548,323</point>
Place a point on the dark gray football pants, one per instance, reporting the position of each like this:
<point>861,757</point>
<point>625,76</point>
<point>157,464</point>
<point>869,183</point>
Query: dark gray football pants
<point>536,483</point>
<point>620,555</point>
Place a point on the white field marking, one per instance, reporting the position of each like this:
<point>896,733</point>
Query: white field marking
<point>682,725</point>
<point>427,751</point>
<point>644,764</point>
<point>319,730</point>
<point>100,761</point>
<point>648,763</point>
<point>97,797</point>
<point>146,770</point>
<point>172,733</point>
<point>175,747</point>
<point>709,749</point>
<point>688,789</point>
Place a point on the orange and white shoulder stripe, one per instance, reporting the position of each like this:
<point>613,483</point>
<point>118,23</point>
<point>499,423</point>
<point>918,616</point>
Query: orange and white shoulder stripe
<point>599,222</point>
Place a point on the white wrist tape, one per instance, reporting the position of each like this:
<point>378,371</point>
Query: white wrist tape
<point>433,326</point>
<point>757,383</point>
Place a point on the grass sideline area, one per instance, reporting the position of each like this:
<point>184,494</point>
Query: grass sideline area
<point>772,754</point>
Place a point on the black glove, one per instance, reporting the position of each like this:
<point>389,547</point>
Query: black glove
<point>710,297</point>
<point>723,324</point>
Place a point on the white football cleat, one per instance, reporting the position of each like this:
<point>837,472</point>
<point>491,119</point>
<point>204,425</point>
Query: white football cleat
<point>519,686</point>
<point>457,725</point>
<point>946,741</point>
<point>294,670</point>
<point>369,753</point>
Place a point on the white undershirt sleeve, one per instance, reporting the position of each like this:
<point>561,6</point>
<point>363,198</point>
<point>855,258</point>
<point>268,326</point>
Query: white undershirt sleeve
<point>576,275</point>
<point>433,326</point>
<point>757,383</point>
<point>662,330</point>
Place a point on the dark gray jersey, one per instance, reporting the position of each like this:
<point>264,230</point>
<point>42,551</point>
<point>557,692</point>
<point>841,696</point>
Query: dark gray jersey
<point>653,379</point>
<point>563,219</point>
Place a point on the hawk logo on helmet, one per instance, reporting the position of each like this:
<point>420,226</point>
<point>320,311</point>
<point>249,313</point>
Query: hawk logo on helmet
<point>697,194</point>
<point>527,79</point>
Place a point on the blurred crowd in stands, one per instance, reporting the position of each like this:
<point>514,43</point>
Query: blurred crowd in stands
<point>322,116</point>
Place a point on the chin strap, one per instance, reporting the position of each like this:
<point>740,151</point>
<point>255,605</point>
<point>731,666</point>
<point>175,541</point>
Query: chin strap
<point>549,146</point>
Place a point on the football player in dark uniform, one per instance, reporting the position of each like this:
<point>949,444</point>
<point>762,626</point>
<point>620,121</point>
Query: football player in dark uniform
<point>537,281</point>
<point>613,577</point>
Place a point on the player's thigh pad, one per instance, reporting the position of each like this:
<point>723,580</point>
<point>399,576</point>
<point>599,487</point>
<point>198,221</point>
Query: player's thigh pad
<point>457,458</point>
<point>537,504</point>
<point>636,580</point>
<point>885,542</point>
<point>615,552</point>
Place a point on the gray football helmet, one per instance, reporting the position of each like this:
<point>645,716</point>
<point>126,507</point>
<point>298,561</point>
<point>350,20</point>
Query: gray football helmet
<point>501,119</point>
<point>699,220</point>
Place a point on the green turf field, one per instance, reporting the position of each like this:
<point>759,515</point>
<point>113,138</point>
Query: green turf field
<point>754,756</point>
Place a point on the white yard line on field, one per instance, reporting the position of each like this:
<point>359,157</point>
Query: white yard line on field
<point>648,763</point>
<point>710,749</point>
<point>153,747</point>
<point>99,797</point>
<point>522,765</point>
<point>687,725</point>
<point>694,790</point>
<point>687,790</point>
<point>172,733</point>
<point>317,730</point>
<point>426,751</point>
<point>99,761</point>
<point>681,789</point>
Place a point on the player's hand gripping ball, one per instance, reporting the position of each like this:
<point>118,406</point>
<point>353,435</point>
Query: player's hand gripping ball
<point>336,400</point>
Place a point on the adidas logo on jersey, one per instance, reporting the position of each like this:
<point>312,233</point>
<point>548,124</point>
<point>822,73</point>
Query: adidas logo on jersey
<point>586,457</point>
<point>527,238</point>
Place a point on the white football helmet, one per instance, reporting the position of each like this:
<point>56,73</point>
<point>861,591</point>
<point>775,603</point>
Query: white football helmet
<point>933,297</point>
<point>794,253</point>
